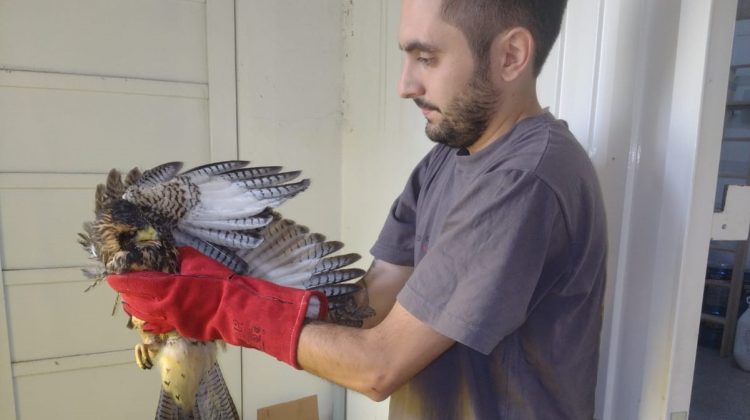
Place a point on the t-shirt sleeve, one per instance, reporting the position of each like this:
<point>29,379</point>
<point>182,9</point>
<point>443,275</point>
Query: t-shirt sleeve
<point>395,244</point>
<point>476,281</point>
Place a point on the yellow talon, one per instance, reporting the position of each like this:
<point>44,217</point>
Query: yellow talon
<point>142,356</point>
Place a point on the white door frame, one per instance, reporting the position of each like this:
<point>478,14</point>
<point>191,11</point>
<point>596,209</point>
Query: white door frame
<point>696,129</point>
<point>661,95</point>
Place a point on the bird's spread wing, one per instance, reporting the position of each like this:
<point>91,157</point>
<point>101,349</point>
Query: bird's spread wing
<point>225,210</point>
<point>291,256</point>
<point>215,208</point>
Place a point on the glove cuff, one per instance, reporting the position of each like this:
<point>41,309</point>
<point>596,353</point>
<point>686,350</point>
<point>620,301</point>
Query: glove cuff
<point>265,316</point>
<point>308,298</point>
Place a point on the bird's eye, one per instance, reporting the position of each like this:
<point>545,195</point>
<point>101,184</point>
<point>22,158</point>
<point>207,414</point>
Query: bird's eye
<point>126,236</point>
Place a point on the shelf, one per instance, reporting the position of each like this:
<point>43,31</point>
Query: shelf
<point>718,283</point>
<point>723,248</point>
<point>737,139</point>
<point>733,176</point>
<point>738,105</point>
<point>715,319</point>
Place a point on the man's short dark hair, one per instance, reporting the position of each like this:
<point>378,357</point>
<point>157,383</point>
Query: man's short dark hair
<point>482,20</point>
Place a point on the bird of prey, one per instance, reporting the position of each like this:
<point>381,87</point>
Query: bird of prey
<point>224,210</point>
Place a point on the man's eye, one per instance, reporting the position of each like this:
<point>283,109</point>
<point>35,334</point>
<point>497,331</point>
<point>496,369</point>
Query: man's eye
<point>425,59</point>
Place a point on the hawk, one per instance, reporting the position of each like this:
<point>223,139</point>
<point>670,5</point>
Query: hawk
<point>224,210</point>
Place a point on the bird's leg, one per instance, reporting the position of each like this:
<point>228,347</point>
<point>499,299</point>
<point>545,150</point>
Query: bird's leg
<point>148,348</point>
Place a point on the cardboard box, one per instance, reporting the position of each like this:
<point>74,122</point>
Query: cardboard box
<point>302,409</point>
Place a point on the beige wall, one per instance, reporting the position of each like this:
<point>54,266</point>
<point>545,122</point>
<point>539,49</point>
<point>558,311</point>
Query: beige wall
<point>289,113</point>
<point>85,86</point>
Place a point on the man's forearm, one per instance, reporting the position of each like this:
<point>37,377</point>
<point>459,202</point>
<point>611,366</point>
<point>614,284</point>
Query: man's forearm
<point>376,361</point>
<point>353,357</point>
<point>346,356</point>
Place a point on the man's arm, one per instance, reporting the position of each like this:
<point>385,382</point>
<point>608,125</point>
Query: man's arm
<point>376,361</point>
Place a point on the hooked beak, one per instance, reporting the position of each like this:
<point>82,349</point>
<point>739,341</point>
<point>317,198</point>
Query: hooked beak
<point>148,234</point>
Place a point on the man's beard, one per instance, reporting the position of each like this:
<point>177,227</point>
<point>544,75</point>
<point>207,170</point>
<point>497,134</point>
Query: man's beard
<point>467,117</point>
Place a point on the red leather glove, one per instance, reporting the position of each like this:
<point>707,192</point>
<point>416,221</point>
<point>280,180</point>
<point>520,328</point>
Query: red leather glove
<point>207,301</point>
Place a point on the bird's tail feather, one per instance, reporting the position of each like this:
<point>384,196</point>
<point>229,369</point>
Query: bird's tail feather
<point>167,409</point>
<point>212,401</point>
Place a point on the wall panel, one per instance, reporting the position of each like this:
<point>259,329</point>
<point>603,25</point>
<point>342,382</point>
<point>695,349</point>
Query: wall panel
<point>116,389</point>
<point>162,40</point>
<point>86,86</point>
<point>40,226</point>
<point>79,322</point>
<point>73,124</point>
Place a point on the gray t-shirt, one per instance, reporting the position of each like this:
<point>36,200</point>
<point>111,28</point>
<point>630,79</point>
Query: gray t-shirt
<point>509,250</point>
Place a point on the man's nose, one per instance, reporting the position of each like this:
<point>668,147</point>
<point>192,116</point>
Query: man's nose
<point>409,85</point>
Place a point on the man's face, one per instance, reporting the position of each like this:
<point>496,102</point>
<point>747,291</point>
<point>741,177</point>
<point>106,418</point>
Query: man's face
<point>439,73</point>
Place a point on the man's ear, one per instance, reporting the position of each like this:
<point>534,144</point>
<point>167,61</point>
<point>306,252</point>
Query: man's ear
<point>512,54</point>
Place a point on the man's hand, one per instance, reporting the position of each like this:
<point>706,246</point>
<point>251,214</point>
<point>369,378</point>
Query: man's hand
<point>206,301</point>
<point>380,285</point>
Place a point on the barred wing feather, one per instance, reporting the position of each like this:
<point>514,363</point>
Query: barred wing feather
<point>221,203</point>
<point>291,256</point>
<point>225,210</point>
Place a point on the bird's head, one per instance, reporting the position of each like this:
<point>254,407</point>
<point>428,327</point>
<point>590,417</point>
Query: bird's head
<point>127,241</point>
<point>130,225</point>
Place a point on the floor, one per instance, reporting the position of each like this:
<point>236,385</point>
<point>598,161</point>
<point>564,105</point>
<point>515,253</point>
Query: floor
<point>721,390</point>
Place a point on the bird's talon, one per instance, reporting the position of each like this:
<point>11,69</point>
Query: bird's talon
<point>142,356</point>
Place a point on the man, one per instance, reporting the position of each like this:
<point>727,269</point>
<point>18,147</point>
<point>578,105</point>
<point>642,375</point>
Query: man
<point>489,271</point>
